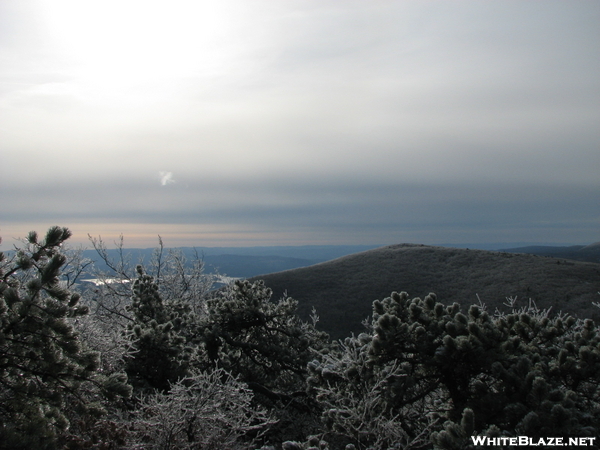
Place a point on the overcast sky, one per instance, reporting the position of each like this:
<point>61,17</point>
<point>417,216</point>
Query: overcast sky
<point>301,122</point>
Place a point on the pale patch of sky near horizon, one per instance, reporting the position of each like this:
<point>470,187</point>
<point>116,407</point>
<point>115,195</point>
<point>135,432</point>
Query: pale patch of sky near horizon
<point>299,122</point>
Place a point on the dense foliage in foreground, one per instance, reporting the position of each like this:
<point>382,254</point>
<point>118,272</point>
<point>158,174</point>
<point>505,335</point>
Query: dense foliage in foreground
<point>151,357</point>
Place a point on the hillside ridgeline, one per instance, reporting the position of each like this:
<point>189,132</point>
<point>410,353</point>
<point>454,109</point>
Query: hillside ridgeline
<point>342,290</point>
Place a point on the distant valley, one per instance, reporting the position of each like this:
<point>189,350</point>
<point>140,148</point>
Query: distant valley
<point>243,262</point>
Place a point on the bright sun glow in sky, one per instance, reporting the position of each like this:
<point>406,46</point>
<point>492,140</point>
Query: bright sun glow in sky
<point>134,53</point>
<point>301,122</point>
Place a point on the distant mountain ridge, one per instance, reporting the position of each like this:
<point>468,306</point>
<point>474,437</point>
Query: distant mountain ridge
<point>246,266</point>
<point>589,253</point>
<point>342,290</point>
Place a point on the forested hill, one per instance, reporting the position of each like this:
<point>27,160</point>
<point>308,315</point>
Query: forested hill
<point>342,290</point>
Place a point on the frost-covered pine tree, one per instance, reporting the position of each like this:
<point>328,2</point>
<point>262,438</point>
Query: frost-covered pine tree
<point>424,369</point>
<point>46,373</point>
<point>262,340</point>
<point>160,354</point>
<point>264,343</point>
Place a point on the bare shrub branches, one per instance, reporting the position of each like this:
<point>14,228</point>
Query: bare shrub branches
<point>205,410</point>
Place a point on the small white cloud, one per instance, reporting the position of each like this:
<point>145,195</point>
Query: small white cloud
<point>166,178</point>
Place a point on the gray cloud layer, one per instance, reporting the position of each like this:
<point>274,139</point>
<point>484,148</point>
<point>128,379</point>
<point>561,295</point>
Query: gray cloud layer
<point>332,122</point>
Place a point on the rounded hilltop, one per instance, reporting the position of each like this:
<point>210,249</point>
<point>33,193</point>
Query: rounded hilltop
<point>342,290</point>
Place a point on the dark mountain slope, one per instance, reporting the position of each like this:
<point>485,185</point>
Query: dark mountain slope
<point>343,290</point>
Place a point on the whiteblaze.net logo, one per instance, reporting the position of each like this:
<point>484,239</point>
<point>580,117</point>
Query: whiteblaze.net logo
<point>525,441</point>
